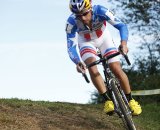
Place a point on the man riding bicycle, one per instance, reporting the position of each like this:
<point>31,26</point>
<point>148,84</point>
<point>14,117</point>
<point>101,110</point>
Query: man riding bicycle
<point>88,25</point>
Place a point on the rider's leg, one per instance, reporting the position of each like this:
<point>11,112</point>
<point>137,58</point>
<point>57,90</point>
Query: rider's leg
<point>107,48</point>
<point>122,77</point>
<point>100,85</point>
<point>124,82</point>
<point>88,54</point>
<point>96,76</point>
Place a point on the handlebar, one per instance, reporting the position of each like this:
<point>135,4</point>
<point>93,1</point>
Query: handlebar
<point>127,59</point>
<point>125,55</point>
<point>102,59</point>
<point>105,59</point>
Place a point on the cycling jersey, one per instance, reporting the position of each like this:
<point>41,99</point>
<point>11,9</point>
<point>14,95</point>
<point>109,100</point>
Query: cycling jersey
<point>100,15</point>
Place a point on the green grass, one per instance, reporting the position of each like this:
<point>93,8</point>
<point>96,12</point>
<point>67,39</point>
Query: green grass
<point>150,117</point>
<point>19,114</point>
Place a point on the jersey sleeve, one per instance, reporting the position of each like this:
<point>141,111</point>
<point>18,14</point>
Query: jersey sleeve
<point>107,15</point>
<point>71,40</point>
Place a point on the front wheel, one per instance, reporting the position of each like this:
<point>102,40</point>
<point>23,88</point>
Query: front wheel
<point>125,111</point>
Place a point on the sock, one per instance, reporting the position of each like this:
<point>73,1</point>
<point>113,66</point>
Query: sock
<point>105,96</point>
<point>129,96</point>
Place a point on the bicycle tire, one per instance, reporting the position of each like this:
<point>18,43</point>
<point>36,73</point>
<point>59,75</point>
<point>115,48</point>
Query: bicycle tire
<point>127,117</point>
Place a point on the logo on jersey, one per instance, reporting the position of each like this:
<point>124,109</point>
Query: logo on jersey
<point>69,28</point>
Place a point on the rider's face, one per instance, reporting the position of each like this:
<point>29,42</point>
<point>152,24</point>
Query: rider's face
<point>86,17</point>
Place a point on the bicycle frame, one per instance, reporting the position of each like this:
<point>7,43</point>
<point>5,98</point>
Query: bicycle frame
<point>108,75</point>
<point>118,97</point>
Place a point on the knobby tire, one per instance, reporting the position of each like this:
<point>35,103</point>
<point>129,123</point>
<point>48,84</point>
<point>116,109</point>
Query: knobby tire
<point>124,109</point>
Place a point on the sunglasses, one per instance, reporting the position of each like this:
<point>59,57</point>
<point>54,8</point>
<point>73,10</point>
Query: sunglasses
<point>84,14</point>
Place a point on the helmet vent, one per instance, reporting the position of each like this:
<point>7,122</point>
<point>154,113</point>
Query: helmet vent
<point>79,6</point>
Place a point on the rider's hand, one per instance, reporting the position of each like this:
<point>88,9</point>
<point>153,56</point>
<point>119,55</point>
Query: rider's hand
<point>81,67</point>
<point>123,47</point>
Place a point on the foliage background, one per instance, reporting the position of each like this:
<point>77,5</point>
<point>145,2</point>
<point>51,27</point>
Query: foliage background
<point>142,18</point>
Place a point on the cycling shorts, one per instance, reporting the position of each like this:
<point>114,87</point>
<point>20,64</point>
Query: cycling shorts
<point>104,44</point>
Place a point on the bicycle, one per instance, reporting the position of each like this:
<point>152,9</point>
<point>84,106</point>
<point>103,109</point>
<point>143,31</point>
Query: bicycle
<point>118,97</point>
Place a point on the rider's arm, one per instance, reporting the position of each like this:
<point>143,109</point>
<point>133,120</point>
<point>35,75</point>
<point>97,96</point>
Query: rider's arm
<point>107,15</point>
<point>71,40</point>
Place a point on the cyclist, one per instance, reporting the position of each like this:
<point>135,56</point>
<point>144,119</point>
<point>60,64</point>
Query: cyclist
<point>86,27</point>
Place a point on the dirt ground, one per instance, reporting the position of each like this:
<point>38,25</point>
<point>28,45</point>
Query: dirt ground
<point>56,116</point>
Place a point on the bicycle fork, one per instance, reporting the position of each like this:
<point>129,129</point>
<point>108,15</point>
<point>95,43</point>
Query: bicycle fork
<point>114,99</point>
<point>115,102</point>
<point>125,99</point>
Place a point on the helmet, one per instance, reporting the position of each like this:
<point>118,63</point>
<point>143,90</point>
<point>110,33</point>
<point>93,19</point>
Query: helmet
<point>80,6</point>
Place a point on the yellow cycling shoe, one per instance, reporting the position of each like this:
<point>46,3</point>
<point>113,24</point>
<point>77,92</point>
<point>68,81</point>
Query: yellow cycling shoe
<point>108,106</point>
<point>135,107</point>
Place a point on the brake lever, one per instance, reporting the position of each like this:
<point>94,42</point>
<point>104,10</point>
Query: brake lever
<point>84,75</point>
<point>125,55</point>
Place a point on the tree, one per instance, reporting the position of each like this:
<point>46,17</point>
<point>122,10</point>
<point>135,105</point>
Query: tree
<point>142,18</point>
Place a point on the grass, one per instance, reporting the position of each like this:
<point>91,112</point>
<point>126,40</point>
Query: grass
<point>150,118</point>
<point>18,114</point>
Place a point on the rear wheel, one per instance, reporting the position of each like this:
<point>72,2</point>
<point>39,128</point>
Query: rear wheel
<point>125,111</point>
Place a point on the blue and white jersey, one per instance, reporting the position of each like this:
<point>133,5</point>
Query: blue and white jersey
<point>100,15</point>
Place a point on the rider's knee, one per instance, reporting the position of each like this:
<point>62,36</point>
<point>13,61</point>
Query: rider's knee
<point>116,69</point>
<point>94,71</point>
